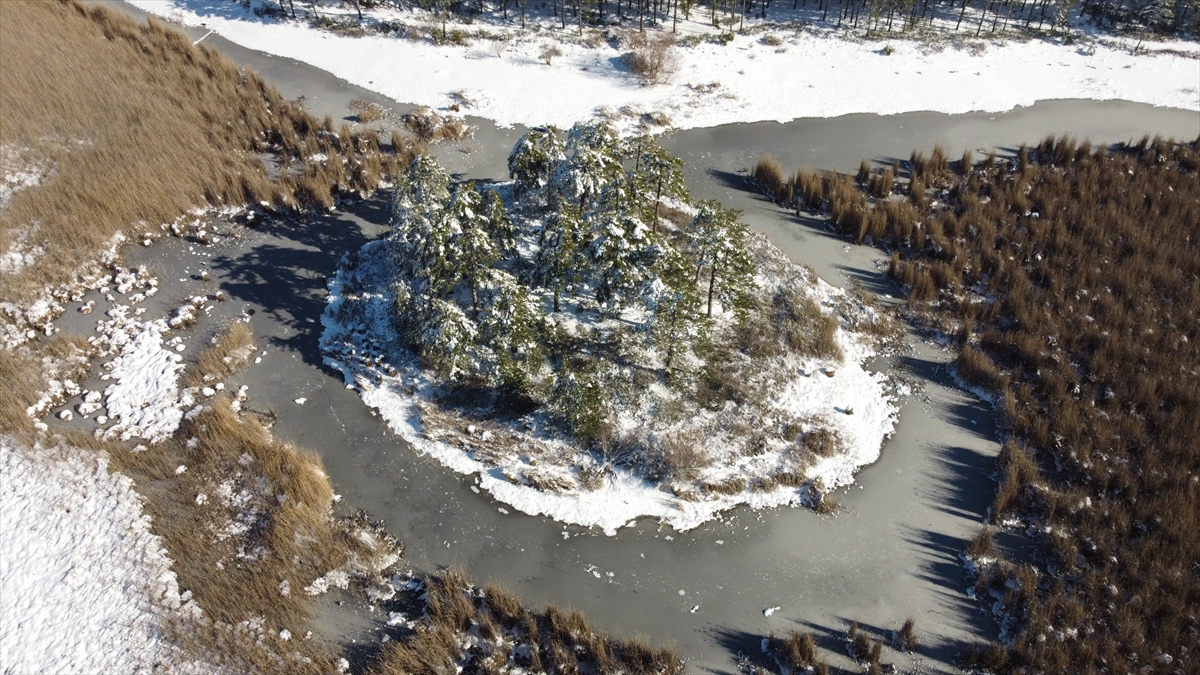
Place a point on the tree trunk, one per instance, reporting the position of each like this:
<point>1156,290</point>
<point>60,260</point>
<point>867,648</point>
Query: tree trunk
<point>712,281</point>
<point>961,14</point>
<point>359,10</point>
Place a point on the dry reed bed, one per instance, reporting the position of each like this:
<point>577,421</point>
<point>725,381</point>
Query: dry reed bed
<point>510,637</point>
<point>140,126</point>
<point>1069,275</point>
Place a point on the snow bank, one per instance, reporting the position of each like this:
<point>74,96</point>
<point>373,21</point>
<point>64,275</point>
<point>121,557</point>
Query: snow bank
<point>145,399</point>
<point>806,75</point>
<point>86,586</point>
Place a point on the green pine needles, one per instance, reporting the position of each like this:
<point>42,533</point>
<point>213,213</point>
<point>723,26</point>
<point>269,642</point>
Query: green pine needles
<point>564,288</point>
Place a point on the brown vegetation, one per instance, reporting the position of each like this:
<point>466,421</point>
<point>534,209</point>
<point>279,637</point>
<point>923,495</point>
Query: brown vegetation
<point>139,126</point>
<point>227,354</point>
<point>1071,273</point>
<point>554,641</point>
<point>653,58</point>
<point>431,127</point>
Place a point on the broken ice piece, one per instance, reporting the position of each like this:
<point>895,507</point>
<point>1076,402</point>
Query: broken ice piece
<point>301,401</point>
<point>695,608</point>
<point>180,469</point>
<point>770,610</point>
<point>65,415</point>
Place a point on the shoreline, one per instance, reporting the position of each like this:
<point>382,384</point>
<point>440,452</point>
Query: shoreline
<point>890,553</point>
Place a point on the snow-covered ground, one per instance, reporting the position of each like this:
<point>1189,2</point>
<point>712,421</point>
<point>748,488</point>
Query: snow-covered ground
<point>798,73</point>
<point>84,586</point>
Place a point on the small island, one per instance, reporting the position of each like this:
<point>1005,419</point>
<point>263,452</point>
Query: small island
<point>598,347</point>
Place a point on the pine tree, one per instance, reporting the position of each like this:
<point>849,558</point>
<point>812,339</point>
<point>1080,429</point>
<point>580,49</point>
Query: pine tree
<point>499,225</point>
<point>418,200</point>
<point>678,322</point>
<point>471,245</point>
<point>621,255</point>
<point>593,160</point>
<point>556,263</point>
<point>717,243</point>
<point>535,158</point>
<point>446,336</point>
<point>512,324</point>
<point>663,174</point>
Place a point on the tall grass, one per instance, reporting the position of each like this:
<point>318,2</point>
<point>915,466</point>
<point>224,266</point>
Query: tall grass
<point>138,127</point>
<point>1082,264</point>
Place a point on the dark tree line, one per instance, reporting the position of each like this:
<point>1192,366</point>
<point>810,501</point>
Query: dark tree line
<point>976,17</point>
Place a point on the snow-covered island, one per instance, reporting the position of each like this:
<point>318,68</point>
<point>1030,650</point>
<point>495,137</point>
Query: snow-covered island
<point>598,348</point>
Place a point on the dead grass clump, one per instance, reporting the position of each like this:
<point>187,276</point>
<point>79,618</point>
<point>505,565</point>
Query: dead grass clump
<point>653,59</point>
<point>448,600</point>
<point>27,371</point>
<point>248,523</point>
<point>228,354</point>
<point>795,652</point>
<point>768,173</point>
<point>809,190</point>
<point>683,456</point>
<point>503,604</point>
<point>975,368</point>
<point>366,112</point>
<point>431,127</point>
<point>907,636</point>
<point>991,657</point>
<point>731,486</point>
<point>981,544</point>
<point>800,324</point>
<point>822,442</point>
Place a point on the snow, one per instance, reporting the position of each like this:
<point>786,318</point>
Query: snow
<point>810,74</point>
<point>86,586</point>
<point>145,400</point>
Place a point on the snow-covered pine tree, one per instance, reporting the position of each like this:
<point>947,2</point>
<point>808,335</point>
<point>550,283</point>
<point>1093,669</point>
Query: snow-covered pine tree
<point>500,226</point>
<point>469,243</point>
<point>663,174</point>
<point>556,265</point>
<point>621,254</point>
<point>717,244</point>
<point>678,322</point>
<point>593,160</point>
<point>418,200</point>
<point>535,158</point>
<point>512,324</point>
<point>446,339</point>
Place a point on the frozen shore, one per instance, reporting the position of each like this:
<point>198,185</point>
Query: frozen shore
<point>798,74</point>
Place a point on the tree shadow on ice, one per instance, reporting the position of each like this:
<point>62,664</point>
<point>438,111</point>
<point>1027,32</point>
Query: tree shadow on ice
<point>740,643</point>
<point>962,486</point>
<point>285,276</point>
<point>942,567</point>
<point>872,281</point>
